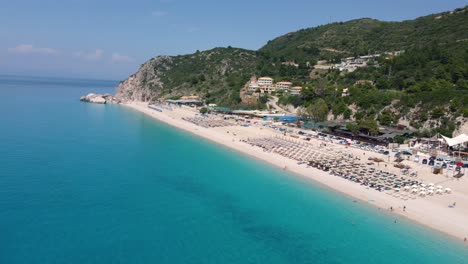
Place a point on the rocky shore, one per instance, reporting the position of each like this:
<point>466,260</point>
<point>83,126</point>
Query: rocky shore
<point>99,98</point>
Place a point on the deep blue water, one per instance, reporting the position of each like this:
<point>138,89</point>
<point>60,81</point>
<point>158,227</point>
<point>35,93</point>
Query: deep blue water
<point>86,183</point>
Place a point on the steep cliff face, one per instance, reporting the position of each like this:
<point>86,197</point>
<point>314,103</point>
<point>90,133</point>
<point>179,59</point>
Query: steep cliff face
<point>145,85</point>
<point>216,75</point>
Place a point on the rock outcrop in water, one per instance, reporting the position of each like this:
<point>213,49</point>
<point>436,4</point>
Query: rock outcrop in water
<point>99,98</point>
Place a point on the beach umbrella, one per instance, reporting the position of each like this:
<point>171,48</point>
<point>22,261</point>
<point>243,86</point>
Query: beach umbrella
<point>448,190</point>
<point>431,184</point>
<point>439,186</point>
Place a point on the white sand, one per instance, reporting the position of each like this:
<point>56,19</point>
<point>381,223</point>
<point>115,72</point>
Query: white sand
<point>432,211</point>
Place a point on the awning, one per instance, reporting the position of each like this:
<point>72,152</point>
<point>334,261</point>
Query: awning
<point>460,139</point>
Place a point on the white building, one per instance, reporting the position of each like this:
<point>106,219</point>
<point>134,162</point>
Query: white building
<point>296,90</point>
<point>264,81</point>
<point>345,92</point>
<point>283,85</point>
<point>253,87</point>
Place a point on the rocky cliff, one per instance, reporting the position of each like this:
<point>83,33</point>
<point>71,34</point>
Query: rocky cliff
<point>145,85</point>
<point>215,75</point>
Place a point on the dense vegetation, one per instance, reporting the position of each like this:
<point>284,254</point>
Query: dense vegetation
<point>427,84</point>
<point>217,74</point>
<point>367,36</point>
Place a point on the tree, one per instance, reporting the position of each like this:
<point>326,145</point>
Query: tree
<point>386,118</point>
<point>347,113</point>
<point>368,126</point>
<point>301,112</point>
<point>352,127</point>
<point>307,93</point>
<point>203,110</point>
<point>438,112</point>
<point>263,99</point>
<point>339,108</point>
<point>318,111</point>
<point>320,88</point>
<point>202,78</point>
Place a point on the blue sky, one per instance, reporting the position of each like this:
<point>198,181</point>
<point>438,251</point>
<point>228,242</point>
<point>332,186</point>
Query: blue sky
<point>109,39</point>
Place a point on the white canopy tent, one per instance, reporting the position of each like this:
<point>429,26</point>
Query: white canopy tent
<point>460,139</point>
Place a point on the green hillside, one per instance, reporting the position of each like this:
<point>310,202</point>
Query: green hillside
<point>364,36</point>
<point>216,74</point>
<point>426,86</point>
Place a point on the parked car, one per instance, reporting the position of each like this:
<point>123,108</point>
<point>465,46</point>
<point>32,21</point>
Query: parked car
<point>406,152</point>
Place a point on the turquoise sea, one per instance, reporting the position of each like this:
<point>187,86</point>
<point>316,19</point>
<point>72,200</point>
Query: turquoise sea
<point>86,183</point>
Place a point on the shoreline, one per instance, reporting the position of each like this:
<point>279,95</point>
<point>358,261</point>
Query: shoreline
<point>432,213</point>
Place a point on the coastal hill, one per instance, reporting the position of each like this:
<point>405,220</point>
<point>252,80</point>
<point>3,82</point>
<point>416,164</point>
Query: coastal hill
<point>367,36</point>
<point>419,79</point>
<point>216,74</point>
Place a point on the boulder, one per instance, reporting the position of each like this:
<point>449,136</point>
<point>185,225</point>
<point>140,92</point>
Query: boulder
<point>97,98</point>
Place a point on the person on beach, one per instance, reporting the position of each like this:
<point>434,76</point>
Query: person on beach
<point>454,203</point>
<point>464,240</point>
<point>391,208</point>
<point>404,208</point>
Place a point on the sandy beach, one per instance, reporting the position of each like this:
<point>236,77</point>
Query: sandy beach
<point>433,211</point>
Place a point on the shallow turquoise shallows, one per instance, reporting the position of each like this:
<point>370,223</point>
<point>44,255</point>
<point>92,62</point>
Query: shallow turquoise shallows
<point>87,183</point>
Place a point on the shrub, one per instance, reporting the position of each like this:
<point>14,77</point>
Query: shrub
<point>203,110</point>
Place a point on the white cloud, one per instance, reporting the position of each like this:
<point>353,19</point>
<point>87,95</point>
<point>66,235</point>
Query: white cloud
<point>90,56</point>
<point>158,13</point>
<point>116,57</point>
<point>30,49</point>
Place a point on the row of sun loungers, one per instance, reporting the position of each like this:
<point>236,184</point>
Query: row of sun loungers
<point>348,167</point>
<point>208,121</point>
